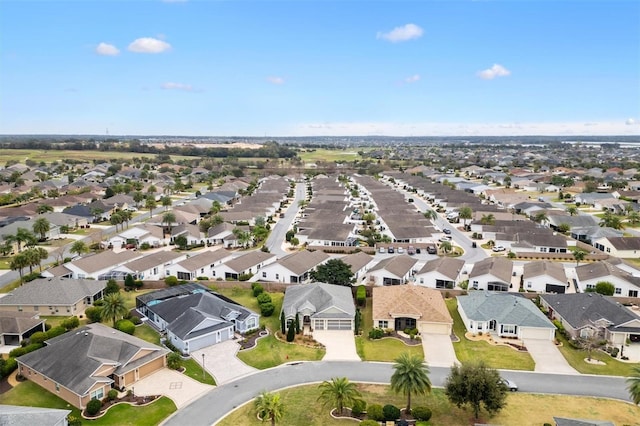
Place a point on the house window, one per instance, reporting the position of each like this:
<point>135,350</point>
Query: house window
<point>421,280</point>
<point>529,285</point>
<point>383,324</point>
<point>480,326</point>
<point>471,324</point>
<point>19,308</point>
<point>97,394</point>
<point>543,249</point>
<point>590,286</point>
<point>155,271</point>
<point>36,308</point>
<point>475,284</point>
<point>509,329</point>
<point>277,276</point>
<point>586,332</point>
<point>251,323</point>
<point>264,274</point>
<point>618,290</point>
<point>213,273</point>
<point>633,293</point>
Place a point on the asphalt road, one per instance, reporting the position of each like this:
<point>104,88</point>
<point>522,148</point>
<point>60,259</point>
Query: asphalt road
<point>278,232</point>
<point>214,405</point>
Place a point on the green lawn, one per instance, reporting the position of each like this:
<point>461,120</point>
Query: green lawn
<point>246,299</point>
<point>502,357</point>
<point>147,333</point>
<point>48,156</point>
<point>387,349</point>
<point>29,394</point>
<point>54,320</point>
<point>576,357</point>
<point>194,370</point>
<point>302,408</point>
<point>313,155</point>
<point>271,352</point>
<point>5,262</point>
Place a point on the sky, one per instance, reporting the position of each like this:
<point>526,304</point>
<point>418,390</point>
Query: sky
<point>320,67</point>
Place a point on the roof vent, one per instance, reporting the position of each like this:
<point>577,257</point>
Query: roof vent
<point>86,334</point>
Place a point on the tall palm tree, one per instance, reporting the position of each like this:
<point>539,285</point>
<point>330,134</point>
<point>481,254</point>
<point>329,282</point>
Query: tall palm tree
<point>540,217</point>
<point>18,263</point>
<point>169,218</point>
<point>114,307</point>
<point>633,383</point>
<point>79,247</point>
<point>338,393</point>
<point>44,208</point>
<point>446,246</point>
<point>215,207</point>
<point>22,235</point>
<point>633,217</point>
<point>488,219</point>
<point>464,214</point>
<point>126,216</point>
<point>150,204</point>
<point>41,226</point>
<point>579,256</point>
<point>430,214</point>
<point>572,210</point>
<point>166,202</point>
<point>411,376</point>
<point>269,406</point>
<point>42,255</point>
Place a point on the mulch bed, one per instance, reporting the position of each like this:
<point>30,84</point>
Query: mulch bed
<point>250,342</point>
<point>4,385</point>
<point>406,340</point>
<point>135,400</point>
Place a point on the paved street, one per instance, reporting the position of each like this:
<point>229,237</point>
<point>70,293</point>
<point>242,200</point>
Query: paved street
<point>215,404</point>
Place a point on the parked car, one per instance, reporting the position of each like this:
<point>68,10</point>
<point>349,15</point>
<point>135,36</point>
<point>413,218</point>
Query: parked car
<point>510,384</point>
<point>498,248</point>
<point>411,250</point>
<point>400,250</point>
<point>431,249</point>
<point>446,231</point>
<point>445,238</point>
<point>390,250</point>
<point>382,250</point>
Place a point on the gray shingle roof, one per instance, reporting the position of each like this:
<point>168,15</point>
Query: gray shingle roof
<point>322,296</point>
<point>447,266</point>
<point>302,261</point>
<point>500,267</point>
<point>17,322</point>
<point>52,291</point>
<point>248,260</point>
<point>397,265</point>
<point>536,269</point>
<point>13,415</point>
<point>151,260</point>
<point>103,260</point>
<point>72,358</point>
<point>206,258</point>
<point>504,308</point>
<point>603,269</point>
<point>581,309</point>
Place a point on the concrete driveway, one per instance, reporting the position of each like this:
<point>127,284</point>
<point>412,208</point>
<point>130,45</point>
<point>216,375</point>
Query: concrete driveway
<point>547,357</point>
<point>340,344</point>
<point>221,362</point>
<point>179,388</point>
<point>438,350</point>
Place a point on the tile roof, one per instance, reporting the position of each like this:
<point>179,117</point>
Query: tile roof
<point>426,304</point>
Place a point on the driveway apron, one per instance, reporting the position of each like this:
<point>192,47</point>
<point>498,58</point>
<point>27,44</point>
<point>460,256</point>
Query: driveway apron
<point>547,357</point>
<point>221,362</point>
<point>340,344</point>
<point>179,388</point>
<point>438,350</point>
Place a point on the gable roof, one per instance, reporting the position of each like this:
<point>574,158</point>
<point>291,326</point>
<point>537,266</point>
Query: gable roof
<point>321,296</point>
<point>424,303</point>
<point>203,259</point>
<point>302,261</point>
<point>357,261</point>
<point>52,292</point>
<point>18,322</point>
<point>499,267</point>
<point>625,243</point>
<point>447,266</point>
<point>248,260</point>
<point>103,260</point>
<point>602,269</point>
<point>13,415</point>
<point>504,308</point>
<point>151,260</point>
<point>72,358</point>
<point>580,309</point>
<point>397,265</point>
<point>544,267</point>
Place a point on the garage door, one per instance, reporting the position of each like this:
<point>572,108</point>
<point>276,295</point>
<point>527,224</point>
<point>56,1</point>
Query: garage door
<point>435,329</point>
<point>535,333</point>
<point>553,288</point>
<point>318,325</point>
<point>338,324</point>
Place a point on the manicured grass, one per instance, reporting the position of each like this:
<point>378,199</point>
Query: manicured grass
<point>246,299</point>
<point>502,357</point>
<point>313,155</point>
<point>271,352</point>
<point>194,370</point>
<point>128,415</point>
<point>5,262</point>
<point>48,156</point>
<point>130,297</point>
<point>147,333</point>
<point>55,321</point>
<point>29,394</point>
<point>302,408</point>
<point>11,286</point>
<point>387,349</point>
<point>56,242</point>
<point>576,358</point>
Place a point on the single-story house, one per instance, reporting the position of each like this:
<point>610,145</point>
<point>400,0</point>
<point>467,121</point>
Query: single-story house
<point>197,318</point>
<point>492,273</point>
<point>152,266</point>
<point>320,306</point>
<point>153,235</point>
<point>588,314</point>
<point>544,277</point>
<point>85,363</point>
<point>294,268</point>
<point>246,264</point>
<point>443,272</point>
<point>99,265</point>
<point>394,270</point>
<point>54,296</point>
<point>200,265</point>
<point>360,263</point>
<point>589,274</point>
<point>17,326</point>
<point>411,306</point>
<point>15,415</point>
<point>505,315</point>
<point>626,247</point>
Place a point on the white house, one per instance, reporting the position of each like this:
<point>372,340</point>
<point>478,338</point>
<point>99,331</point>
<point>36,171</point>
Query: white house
<point>443,272</point>
<point>246,264</point>
<point>589,274</point>
<point>360,264</point>
<point>392,270</point>
<point>544,277</point>
<point>294,268</point>
<point>150,234</point>
<point>152,266</point>
<point>492,273</point>
<point>96,266</point>
<point>625,247</point>
<point>200,265</point>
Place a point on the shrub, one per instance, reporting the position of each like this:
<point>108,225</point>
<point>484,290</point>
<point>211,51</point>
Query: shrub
<point>112,287</point>
<point>9,367</point>
<point>361,295</point>
<point>138,284</point>
<point>56,331</point>
<point>112,394</point>
<point>94,314</point>
<point>126,326</point>
<point>257,289</point>
<point>170,346</point>
<point>98,302</point>
<point>21,351</point>
<point>266,309</point>
<point>202,278</point>
<point>93,407</point>
<point>263,298</point>
<point>369,423</point>
<point>358,407</point>
<point>70,323</point>
<point>376,333</point>
<point>135,320</point>
<point>174,361</point>
<point>291,333</point>
<point>145,246</point>
<point>614,352</point>
<point>244,277</point>
<point>38,337</point>
<point>421,413</point>
<point>374,412</point>
<point>390,412</point>
<point>171,280</point>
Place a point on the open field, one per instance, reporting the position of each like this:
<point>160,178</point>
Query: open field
<point>49,156</point>
<point>310,155</point>
<point>302,408</point>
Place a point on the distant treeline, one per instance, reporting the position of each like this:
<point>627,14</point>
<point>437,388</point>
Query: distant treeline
<point>267,150</point>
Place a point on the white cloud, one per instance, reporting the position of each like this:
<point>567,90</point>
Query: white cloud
<point>412,79</point>
<point>496,70</point>
<point>178,86</point>
<point>631,122</point>
<point>404,33</point>
<point>149,45</point>
<point>107,49</point>
<point>275,80</point>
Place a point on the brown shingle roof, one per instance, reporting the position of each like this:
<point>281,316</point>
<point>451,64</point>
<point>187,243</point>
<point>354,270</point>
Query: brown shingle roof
<point>424,303</point>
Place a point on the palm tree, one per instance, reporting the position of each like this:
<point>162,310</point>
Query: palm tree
<point>430,214</point>
<point>465,213</point>
<point>540,217</point>
<point>23,235</point>
<point>633,217</point>
<point>572,210</point>
<point>338,393</point>
<point>166,202</point>
<point>269,406</point>
<point>126,216</point>
<point>410,377</point>
<point>116,219</point>
<point>150,204</point>
<point>169,218</point>
<point>18,263</point>
<point>634,384</point>
<point>579,256</point>
<point>446,246</point>
<point>41,226</point>
<point>611,221</point>
<point>44,208</point>
<point>114,307</point>
<point>33,258</point>
<point>488,219</point>
<point>243,237</point>
<point>42,255</point>
<point>79,247</point>
<point>215,207</point>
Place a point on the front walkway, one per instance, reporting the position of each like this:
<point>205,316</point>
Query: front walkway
<point>340,344</point>
<point>547,357</point>
<point>179,388</point>
<point>221,362</point>
<point>438,350</point>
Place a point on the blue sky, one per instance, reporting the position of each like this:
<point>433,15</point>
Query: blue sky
<point>305,67</point>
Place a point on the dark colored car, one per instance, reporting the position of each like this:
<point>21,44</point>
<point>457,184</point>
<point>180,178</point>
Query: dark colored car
<point>446,231</point>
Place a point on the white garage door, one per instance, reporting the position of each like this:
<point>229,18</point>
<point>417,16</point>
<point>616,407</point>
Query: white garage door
<point>318,325</point>
<point>435,328</point>
<point>536,333</point>
<point>338,324</point>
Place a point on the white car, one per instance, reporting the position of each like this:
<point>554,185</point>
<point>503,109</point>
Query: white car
<point>445,238</point>
<point>498,248</point>
<point>510,384</point>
